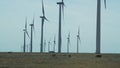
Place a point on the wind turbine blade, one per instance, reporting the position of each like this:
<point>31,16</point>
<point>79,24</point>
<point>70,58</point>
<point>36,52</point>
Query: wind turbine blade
<point>27,34</point>
<point>43,11</point>
<point>79,38</point>
<point>25,23</point>
<point>34,24</point>
<point>33,19</point>
<point>78,31</point>
<point>62,0</point>
<point>63,9</point>
<point>105,3</point>
<point>46,19</point>
<point>69,35</point>
<point>54,39</point>
<point>79,34</point>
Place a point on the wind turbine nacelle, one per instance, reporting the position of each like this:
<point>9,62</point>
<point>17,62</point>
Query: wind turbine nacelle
<point>42,16</point>
<point>31,24</point>
<point>24,29</point>
<point>77,35</point>
<point>60,3</point>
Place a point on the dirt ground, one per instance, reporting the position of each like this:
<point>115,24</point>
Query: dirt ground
<point>64,60</point>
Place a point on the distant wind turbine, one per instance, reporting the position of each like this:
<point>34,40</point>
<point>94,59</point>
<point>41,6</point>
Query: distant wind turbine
<point>43,18</point>
<point>31,39</point>
<point>25,33</point>
<point>98,30</point>
<point>48,46</point>
<point>44,45</point>
<point>61,9</point>
<point>68,42</point>
<point>27,48</point>
<point>54,43</point>
<point>22,48</point>
<point>78,40</point>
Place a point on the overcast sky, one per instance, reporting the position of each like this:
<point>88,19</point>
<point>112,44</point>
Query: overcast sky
<point>78,13</point>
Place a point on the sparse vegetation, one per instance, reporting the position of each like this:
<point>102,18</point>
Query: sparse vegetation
<point>69,56</point>
<point>98,55</point>
<point>47,60</point>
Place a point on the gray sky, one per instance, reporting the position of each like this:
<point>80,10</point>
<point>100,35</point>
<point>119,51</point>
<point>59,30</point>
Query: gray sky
<point>78,13</point>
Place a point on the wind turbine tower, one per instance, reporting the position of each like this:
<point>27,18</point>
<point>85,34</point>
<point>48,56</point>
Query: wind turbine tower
<point>61,8</point>
<point>54,43</point>
<point>78,40</point>
<point>48,46</point>
<point>31,39</point>
<point>43,18</point>
<point>25,32</point>
<point>44,45</point>
<point>98,30</point>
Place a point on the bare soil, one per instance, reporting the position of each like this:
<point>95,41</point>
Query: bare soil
<point>54,60</point>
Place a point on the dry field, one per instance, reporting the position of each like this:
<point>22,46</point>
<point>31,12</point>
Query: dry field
<point>47,60</point>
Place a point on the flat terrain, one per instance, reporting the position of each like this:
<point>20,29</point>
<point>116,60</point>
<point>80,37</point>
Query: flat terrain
<point>47,60</point>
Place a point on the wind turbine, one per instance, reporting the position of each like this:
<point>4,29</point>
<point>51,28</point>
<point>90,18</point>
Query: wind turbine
<point>54,43</point>
<point>43,18</point>
<point>98,30</point>
<point>22,48</point>
<point>25,33</point>
<point>48,46</point>
<point>68,42</point>
<point>27,48</point>
<point>44,45</point>
<point>78,40</point>
<point>31,39</point>
<point>61,9</point>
